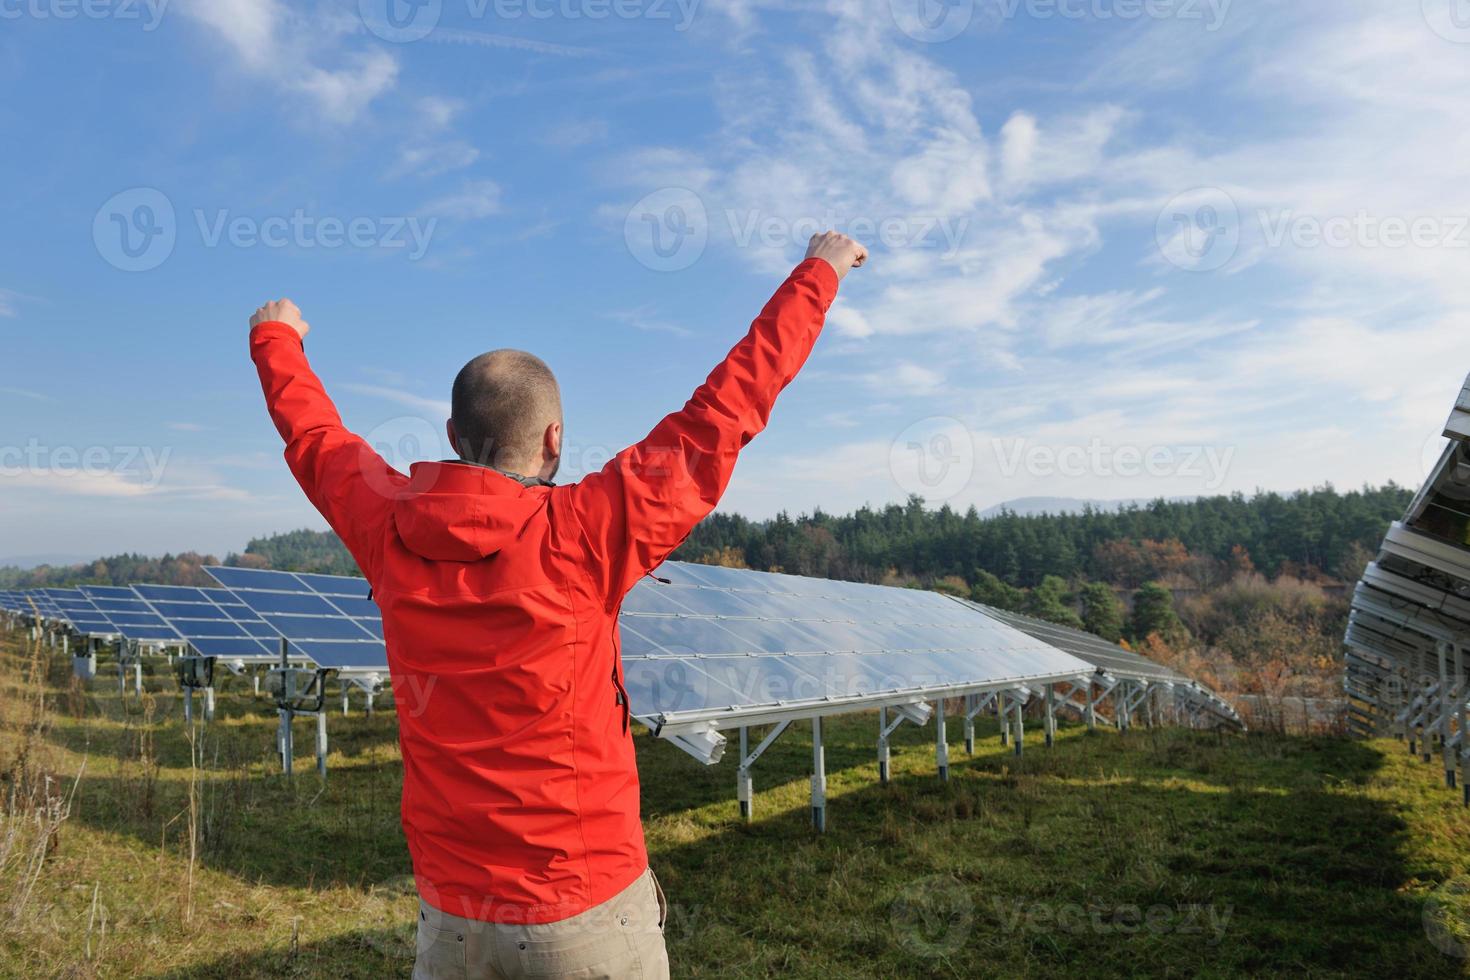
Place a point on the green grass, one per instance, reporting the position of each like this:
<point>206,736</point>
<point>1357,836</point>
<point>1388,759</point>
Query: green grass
<point>1166,853</point>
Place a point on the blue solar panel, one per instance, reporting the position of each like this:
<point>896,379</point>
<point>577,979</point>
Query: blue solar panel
<point>130,614</point>
<point>327,619</point>
<point>80,613</point>
<point>212,622</point>
<point>721,641</point>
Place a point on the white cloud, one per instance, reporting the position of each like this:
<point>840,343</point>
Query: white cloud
<point>299,54</point>
<point>437,407</point>
<point>475,200</point>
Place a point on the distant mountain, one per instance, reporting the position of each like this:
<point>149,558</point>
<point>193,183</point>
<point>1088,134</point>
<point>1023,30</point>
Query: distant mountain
<point>28,562</point>
<point>1032,506</point>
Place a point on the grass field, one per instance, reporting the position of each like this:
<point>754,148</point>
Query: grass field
<point>1165,853</point>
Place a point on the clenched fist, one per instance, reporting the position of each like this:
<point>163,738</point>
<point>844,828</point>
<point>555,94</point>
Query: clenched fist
<point>841,252</point>
<point>281,311</point>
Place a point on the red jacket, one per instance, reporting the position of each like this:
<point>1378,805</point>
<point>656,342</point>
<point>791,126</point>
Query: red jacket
<point>500,609</point>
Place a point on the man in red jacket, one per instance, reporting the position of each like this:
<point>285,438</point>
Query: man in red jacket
<point>500,595</point>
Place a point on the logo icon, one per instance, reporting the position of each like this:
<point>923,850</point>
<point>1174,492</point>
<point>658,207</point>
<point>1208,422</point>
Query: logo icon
<point>933,458</point>
<point>667,231</point>
<point>932,21</point>
<point>1199,230</point>
<point>933,916</point>
<point>1447,917</point>
<point>135,229</point>
<point>1450,19</point>
<point>400,21</point>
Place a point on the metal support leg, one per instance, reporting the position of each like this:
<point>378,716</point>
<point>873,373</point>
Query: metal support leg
<point>189,708</point>
<point>1460,712</point>
<point>370,704</point>
<point>255,682</point>
<point>209,703</point>
<point>1051,715</point>
<point>941,741</point>
<point>287,738</point>
<point>819,779</point>
<point>1020,726</point>
<point>1002,715</point>
<point>344,701</point>
<point>1445,708</point>
<point>1120,699</point>
<point>883,756</point>
<point>743,786</point>
<point>970,723</point>
<point>138,678</point>
<point>1148,705</point>
<point>321,744</point>
<point>1091,707</point>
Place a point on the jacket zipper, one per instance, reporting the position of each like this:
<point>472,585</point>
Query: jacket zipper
<point>620,696</point>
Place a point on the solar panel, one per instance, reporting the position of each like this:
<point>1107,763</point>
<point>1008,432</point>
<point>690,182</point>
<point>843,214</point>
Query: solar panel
<point>79,611</point>
<point>213,622</point>
<point>720,644</point>
<point>327,619</point>
<point>1086,646</point>
<point>131,616</point>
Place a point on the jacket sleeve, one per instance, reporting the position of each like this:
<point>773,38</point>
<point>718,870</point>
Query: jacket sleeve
<point>642,505</point>
<point>350,484</point>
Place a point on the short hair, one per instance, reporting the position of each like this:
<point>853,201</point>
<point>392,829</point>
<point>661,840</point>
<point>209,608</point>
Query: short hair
<point>501,405</point>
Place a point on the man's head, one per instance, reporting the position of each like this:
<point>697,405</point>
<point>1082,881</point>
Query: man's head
<point>506,413</point>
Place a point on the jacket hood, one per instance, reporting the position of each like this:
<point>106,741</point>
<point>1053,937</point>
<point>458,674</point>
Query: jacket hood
<point>462,512</point>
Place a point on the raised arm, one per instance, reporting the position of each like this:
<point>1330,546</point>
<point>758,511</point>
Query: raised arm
<point>343,477</point>
<point>642,505</point>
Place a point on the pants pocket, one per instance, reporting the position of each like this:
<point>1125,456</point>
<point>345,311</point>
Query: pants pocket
<point>439,954</point>
<point>663,902</point>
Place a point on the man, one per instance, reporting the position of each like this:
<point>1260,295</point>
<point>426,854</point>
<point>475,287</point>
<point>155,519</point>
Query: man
<point>500,595</point>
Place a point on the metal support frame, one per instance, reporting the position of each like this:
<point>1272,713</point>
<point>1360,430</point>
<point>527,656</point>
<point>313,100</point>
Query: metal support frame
<point>1443,649</point>
<point>1018,701</point>
<point>941,742</point>
<point>292,699</point>
<point>84,665</point>
<point>819,778</point>
<point>744,789</point>
<point>1051,715</point>
<point>196,674</point>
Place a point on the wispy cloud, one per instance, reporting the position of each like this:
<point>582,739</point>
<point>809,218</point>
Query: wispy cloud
<point>644,319</point>
<point>439,408</point>
<point>299,54</point>
<point>28,394</point>
<point>475,200</point>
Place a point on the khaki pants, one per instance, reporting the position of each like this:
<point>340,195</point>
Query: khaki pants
<point>621,938</point>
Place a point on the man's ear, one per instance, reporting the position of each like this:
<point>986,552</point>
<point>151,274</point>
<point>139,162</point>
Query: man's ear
<point>551,441</point>
<point>453,438</point>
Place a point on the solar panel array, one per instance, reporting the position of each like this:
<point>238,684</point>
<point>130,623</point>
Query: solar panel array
<point>129,614</point>
<point>81,613</point>
<point>720,643</point>
<point>1090,647</point>
<point>1408,635</point>
<point>327,619</point>
<point>212,621</point>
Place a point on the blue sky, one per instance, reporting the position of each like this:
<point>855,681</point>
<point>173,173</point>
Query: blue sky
<point>1120,248</point>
